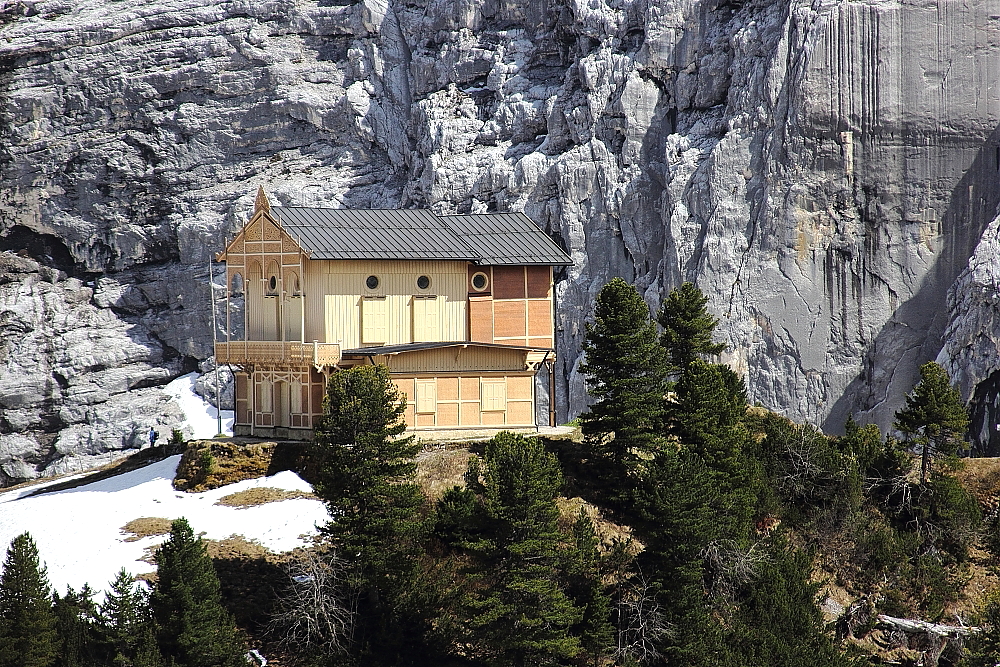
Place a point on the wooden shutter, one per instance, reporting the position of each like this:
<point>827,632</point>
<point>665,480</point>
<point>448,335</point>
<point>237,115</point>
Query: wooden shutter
<point>426,396</point>
<point>426,319</point>
<point>374,316</point>
<point>494,395</point>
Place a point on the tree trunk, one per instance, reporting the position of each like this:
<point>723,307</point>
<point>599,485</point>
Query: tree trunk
<point>925,460</point>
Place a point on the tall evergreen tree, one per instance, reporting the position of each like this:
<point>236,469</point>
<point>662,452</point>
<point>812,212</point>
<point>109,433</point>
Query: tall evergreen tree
<point>934,417</point>
<point>125,624</point>
<point>27,622</point>
<point>587,591</point>
<point>683,511</point>
<point>365,473</point>
<point>518,614</point>
<point>75,621</point>
<point>626,371</point>
<point>194,630</point>
<point>687,327</point>
<point>707,416</point>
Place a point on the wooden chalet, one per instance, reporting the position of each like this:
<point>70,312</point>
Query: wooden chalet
<point>460,308</point>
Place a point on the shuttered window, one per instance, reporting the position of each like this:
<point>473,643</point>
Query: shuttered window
<point>374,325</point>
<point>426,319</point>
<point>426,396</point>
<point>266,400</point>
<point>494,395</point>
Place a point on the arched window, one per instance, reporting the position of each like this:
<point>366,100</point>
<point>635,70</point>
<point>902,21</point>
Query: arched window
<point>292,280</point>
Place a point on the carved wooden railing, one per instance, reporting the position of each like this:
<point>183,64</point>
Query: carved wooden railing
<point>247,352</point>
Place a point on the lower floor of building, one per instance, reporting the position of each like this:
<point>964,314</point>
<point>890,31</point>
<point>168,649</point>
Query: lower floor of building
<point>287,403</point>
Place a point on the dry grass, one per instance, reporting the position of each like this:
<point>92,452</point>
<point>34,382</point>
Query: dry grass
<point>440,468</point>
<point>230,548</point>
<point>233,460</point>
<point>981,476</point>
<point>607,531</point>
<point>236,546</point>
<point>260,496</point>
<point>146,527</point>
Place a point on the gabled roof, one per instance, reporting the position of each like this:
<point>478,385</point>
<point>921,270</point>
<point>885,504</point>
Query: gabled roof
<point>507,238</point>
<point>340,233</point>
<point>485,238</point>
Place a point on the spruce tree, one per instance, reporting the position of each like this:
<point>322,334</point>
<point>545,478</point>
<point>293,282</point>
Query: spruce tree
<point>27,621</point>
<point>687,327</point>
<point>125,624</point>
<point>707,416</point>
<point>518,613</point>
<point>934,417</point>
<point>365,475</point>
<point>75,627</point>
<point>683,511</point>
<point>587,591</point>
<point>626,371</point>
<point>194,630</point>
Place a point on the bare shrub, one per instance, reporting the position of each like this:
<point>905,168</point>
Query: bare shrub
<point>315,611</point>
<point>641,624</point>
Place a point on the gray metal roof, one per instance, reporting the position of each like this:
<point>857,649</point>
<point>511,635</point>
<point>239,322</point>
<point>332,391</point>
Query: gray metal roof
<point>507,238</point>
<point>340,233</point>
<point>484,238</point>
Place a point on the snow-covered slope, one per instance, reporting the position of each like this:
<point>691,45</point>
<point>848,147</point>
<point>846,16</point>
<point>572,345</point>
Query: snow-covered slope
<point>79,535</point>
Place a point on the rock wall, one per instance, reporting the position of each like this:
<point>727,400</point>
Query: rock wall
<point>823,170</point>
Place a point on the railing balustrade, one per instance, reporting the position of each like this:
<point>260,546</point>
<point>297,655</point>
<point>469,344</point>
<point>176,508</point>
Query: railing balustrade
<point>277,352</point>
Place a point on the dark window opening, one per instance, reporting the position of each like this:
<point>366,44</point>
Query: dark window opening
<point>479,281</point>
<point>372,282</point>
<point>423,282</point>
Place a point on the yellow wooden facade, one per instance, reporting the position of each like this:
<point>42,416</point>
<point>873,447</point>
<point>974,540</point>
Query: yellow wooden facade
<point>463,342</point>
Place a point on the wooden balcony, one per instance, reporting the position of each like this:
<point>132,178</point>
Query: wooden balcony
<point>276,353</point>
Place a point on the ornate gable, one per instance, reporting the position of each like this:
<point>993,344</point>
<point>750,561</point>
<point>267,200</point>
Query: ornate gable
<point>261,227</point>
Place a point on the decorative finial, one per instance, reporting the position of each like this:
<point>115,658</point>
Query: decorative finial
<point>261,203</point>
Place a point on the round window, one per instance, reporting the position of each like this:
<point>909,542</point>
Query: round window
<point>272,284</point>
<point>480,281</point>
<point>371,282</point>
<point>423,282</point>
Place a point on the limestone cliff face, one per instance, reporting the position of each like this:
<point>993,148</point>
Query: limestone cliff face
<point>823,170</point>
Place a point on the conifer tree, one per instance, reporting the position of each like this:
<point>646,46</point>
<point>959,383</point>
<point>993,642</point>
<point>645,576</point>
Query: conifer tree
<point>75,616</point>
<point>683,511</point>
<point>125,624</point>
<point>27,622</point>
<point>934,416</point>
<point>194,630</point>
<point>586,589</point>
<point>626,373</point>
<point>687,327</point>
<point>518,614</point>
<point>707,416</point>
<point>365,475</point>
<point>778,623</point>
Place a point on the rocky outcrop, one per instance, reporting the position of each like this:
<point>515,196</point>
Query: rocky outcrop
<point>823,170</point>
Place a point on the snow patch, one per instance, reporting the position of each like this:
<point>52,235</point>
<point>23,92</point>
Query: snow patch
<point>201,417</point>
<point>78,531</point>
